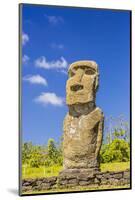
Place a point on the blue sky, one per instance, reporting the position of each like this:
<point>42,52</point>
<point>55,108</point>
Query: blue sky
<point>54,37</point>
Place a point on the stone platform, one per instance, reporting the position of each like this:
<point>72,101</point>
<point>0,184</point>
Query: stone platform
<point>71,180</point>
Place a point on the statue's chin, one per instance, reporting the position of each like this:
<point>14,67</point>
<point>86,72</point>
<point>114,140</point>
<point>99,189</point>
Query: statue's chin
<point>80,98</point>
<point>81,108</point>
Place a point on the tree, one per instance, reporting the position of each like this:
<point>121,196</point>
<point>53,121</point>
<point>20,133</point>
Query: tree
<point>52,152</point>
<point>60,151</point>
<point>116,128</point>
<point>36,157</point>
<point>26,152</point>
<point>117,151</point>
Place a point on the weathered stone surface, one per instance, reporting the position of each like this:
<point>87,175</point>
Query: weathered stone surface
<point>26,184</point>
<point>99,175</point>
<point>49,179</point>
<point>82,179</point>
<point>38,182</point>
<point>63,181</point>
<point>111,181</point>
<point>104,181</point>
<point>123,181</point>
<point>38,187</point>
<point>29,181</point>
<point>83,125</point>
<point>118,175</point>
<point>126,175</point>
<point>74,180</point>
<point>97,181</point>
<point>83,183</point>
<point>106,175</point>
<point>82,82</point>
<point>45,186</point>
<point>115,182</point>
<point>26,188</point>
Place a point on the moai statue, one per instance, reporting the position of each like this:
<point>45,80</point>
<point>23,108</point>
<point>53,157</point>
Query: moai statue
<point>83,124</point>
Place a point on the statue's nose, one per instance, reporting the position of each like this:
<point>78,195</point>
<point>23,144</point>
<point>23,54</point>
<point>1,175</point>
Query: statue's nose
<point>77,81</point>
<point>79,75</point>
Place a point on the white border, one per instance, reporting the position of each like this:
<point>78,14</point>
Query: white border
<point>9,97</point>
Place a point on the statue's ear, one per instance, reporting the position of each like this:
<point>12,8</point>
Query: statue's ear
<point>69,74</point>
<point>97,82</point>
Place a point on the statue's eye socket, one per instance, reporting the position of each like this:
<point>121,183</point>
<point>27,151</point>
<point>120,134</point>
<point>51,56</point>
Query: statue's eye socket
<point>89,72</point>
<point>71,74</point>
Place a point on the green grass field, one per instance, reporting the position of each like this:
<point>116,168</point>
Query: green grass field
<point>28,172</point>
<point>118,166</point>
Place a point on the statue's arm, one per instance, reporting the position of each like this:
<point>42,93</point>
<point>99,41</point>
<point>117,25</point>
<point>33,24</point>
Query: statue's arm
<point>65,122</point>
<point>100,135</point>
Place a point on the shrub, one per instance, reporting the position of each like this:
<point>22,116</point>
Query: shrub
<point>117,151</point>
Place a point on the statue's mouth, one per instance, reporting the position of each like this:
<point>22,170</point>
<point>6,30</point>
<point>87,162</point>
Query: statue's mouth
<point>76,87</point>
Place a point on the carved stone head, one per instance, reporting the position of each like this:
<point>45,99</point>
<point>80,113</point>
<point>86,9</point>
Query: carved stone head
<point>82,84</point>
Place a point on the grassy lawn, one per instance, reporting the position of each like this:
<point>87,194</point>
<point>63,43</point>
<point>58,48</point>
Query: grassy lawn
<point>28,172</point>
<point>118,166</point>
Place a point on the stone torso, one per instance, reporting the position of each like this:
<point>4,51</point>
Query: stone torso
<point>80,139</point>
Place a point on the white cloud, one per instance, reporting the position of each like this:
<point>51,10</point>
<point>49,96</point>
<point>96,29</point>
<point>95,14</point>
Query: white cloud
<point>49,98</point>
<point>54,19</point>
<point>35,79</point>
<point>55,64</point>
<point>25,59</point>
<point>64,72</point>
<point>57,46</point>
<point>25,38</point>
